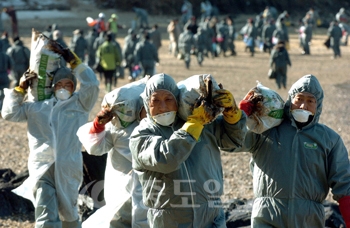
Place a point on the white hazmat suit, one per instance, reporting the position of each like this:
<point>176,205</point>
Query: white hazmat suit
<point>55,150</point>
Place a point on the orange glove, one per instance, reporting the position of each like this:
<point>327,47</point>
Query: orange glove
<point>101,119</point>
<point>247,106</point>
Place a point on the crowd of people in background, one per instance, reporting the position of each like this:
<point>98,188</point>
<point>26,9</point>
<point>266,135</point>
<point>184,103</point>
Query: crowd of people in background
<point>160,146</point>
<point>207,37</point>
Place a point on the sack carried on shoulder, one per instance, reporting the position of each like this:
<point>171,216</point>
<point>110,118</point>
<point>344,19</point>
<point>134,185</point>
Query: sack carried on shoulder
<point>268,109</point>
<point>271,74</point>
<point>44,61</point>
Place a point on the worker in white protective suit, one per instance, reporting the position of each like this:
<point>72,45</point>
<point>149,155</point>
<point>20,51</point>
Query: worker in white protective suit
<point>55,161</point>
<point>109,133</point>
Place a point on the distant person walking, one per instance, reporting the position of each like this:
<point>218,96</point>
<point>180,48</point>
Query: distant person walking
<point>221,37</point>
<point>313,17</point>
<point>267,32</point>
<point>90,39</point>
<point>270,13</point>
<point>209,28</point>
<point>206,9</point>
<point>335,34</point>
<point>186,43</point>
<point>78,44</point>
<point>48,31</point>
<point>186,12</point>
<point>341,16</point>
<point>342,19</point>
<point>200,41</point>
<point>146,55</point>
<point>282,18</point>
<point>99,24</point>
<point>130,42</point>
<point>231,35</point>
<point>113,26</point>
<point>5,43</point>
<point>279,59</point>
<point>155,37</point>
<point>100,39</point>
<point>191,25</point>
<point>5,66</point>
<point>20,56</point>
<point>174,31</point>
<point>119,72</point>
<point>109,59</point>
<point>57,36</point>
<point>281,33</point>
<point>306,35</point>
<point>141,17</point>
<point>251,35</point>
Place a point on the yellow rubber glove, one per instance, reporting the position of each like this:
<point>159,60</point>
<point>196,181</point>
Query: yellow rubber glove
<point>25,81</point>
<point>71,58</point>
<point>232,114</point>
<point>68,55</point>
<point>194,124</point>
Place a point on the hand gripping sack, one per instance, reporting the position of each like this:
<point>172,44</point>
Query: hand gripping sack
<point>195,88</point>
<point>268,109</point>
<point>43,61</point>
<point>125,102</point>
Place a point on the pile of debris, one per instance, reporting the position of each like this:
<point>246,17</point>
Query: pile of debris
<point>10,202</point>
<point>238,212</point>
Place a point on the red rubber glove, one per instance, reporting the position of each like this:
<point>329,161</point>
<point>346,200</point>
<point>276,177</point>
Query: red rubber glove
<point>344,207</point>
<point>101,119</point>
<point>247,106</point>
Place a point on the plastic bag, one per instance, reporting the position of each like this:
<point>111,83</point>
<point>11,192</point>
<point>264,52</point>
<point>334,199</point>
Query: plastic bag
<point>268,111</point>
<point>125,102</point>
<point>43,62</point>
<point>192,89</point>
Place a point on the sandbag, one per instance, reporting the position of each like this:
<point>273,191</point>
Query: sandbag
<point>194,88</point>
<point>268,109</point>
<point>125,102</point>
<point>43,62</point>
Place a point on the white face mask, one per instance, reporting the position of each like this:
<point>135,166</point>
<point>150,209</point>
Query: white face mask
<point>62,94</point>
<point>301,115</point>
<point>165,119</point>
